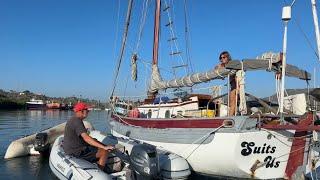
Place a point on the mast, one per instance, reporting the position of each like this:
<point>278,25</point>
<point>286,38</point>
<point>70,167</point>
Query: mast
<point>155,75</point>
<point>156,33</point>
<point>316,25</point>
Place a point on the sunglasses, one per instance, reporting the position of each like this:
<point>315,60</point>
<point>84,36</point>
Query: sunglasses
<point>223,57</point>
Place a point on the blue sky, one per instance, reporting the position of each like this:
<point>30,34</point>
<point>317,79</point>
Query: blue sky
<point>70,47</point>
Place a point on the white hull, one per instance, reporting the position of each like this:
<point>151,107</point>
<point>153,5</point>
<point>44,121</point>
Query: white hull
<point>229,153</point>
<point>222,157</point>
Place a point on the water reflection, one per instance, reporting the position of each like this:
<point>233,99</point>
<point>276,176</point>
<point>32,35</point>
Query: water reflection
<point>30,167</point>
<point>35,114</point>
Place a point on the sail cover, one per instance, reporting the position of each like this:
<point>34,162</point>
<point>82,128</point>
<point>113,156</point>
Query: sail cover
<point>231,68</point>
<point>187,81</point>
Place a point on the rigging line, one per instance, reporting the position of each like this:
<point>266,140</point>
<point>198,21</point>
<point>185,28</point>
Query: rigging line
<point>305,37</point>
<point>303,33</point>
<point>187,37</point>
<point>173,29</point>
<point>117,30</point>
<point>149,63</point>
<point>126,84</point>
<point>145,78</point>
<point>293,3</point>
<point>173,34</point>
<point>176,44</point>
<point>205,137</point>
<point>142,23</point>
<point>124,40</point>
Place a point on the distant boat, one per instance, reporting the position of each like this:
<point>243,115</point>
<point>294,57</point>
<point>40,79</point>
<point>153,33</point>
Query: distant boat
<point>66,106</point>
<point>35,104</point>
<point>53,105</point>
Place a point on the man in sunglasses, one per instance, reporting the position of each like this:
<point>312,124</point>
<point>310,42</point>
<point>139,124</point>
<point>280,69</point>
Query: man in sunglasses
<point>224,58</point>
<point>79,144</point>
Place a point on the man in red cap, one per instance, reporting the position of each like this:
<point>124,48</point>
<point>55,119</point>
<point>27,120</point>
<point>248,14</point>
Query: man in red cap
<point>79,144</point>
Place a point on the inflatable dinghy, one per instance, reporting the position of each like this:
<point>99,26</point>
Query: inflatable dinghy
<point>33,144</point>
<point>131,160</point>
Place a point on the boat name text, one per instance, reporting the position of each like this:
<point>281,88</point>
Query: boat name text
<point>251,148</point>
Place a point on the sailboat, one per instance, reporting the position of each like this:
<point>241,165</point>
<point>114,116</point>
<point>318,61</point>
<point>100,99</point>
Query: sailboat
<point>262,145</point>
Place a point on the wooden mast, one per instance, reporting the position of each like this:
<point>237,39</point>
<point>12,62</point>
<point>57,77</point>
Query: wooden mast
<point>156,34</point>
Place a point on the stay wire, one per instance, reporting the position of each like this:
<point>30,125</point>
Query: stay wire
<point>187,37</point>
<point>303,33</point>
<point>124,40</point>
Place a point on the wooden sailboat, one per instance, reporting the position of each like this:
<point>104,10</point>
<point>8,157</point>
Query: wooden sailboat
<point>257,145</point>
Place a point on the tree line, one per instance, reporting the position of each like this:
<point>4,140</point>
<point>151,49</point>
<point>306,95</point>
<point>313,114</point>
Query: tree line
<point>17,100</point>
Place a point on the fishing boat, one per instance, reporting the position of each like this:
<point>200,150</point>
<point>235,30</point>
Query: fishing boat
<point>268,144</point>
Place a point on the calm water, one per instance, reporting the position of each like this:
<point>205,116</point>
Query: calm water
<point>17,124</point>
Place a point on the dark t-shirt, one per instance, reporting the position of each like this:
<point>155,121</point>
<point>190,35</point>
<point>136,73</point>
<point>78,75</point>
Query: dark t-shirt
<point>73,143</point>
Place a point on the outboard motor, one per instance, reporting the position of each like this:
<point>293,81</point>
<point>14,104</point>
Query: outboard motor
<point>173,166</point>
<point>41,143</point>
<point>145,162</point>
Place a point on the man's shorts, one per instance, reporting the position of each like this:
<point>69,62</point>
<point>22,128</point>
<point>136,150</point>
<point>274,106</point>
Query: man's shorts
<point>89,154</point>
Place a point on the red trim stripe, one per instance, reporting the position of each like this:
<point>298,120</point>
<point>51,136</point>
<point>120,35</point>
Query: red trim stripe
<point>176,123</point>
<point>202,123</point>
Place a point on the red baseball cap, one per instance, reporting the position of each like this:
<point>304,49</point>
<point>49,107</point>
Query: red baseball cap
<point>80,106</point>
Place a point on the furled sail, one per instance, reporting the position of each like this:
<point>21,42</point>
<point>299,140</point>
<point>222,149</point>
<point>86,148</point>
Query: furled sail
<point>134,67</point>
<point>221,73</point>
<point>187,81</point>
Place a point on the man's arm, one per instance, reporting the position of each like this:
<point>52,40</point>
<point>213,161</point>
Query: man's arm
<point>88,139</point>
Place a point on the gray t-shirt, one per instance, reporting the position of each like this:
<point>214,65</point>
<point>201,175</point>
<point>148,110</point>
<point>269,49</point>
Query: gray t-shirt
<point>73,143</point>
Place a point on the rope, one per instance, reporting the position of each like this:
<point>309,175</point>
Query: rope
<point>187,36</point>
<point>124,40</point>
<point>114,113</point>
<point>173,34</point>
<point>278,82</point>
<point>303,33</point>
<point>142,23</point>
<point>240,87</point>
<point>217,72</point>
<point>270,64</point>
<point>204,136</point>
<point>117,30</point>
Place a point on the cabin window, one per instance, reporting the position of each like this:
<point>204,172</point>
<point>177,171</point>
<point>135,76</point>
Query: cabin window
<point>149,113</point>
<point>167,114</point>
